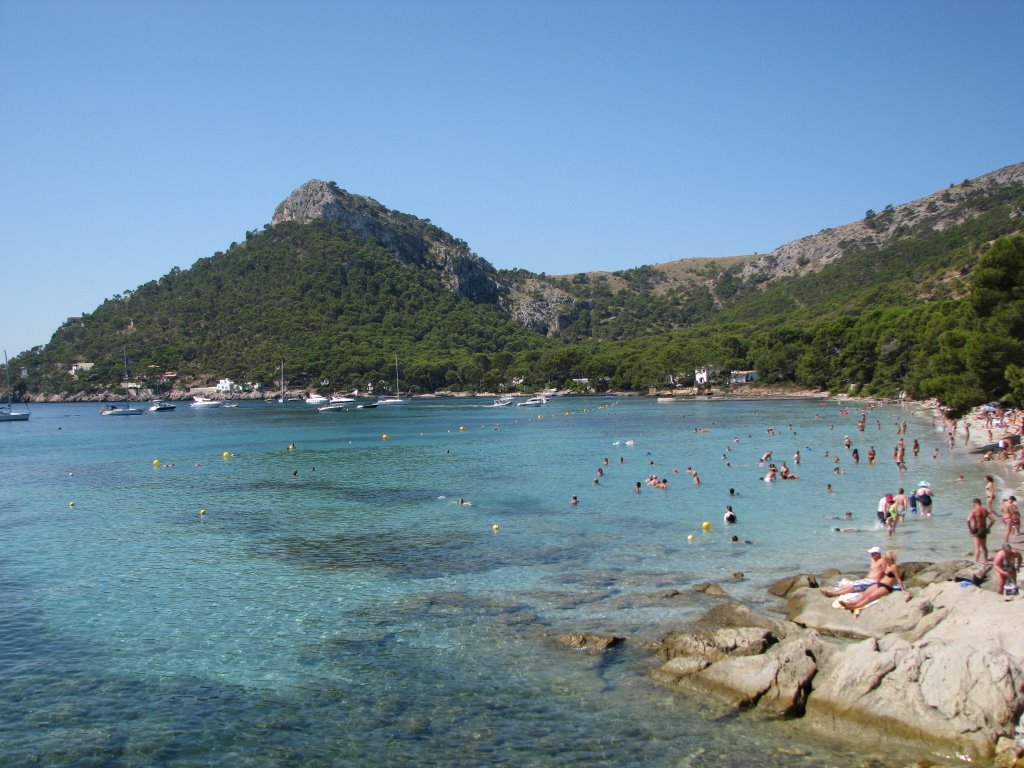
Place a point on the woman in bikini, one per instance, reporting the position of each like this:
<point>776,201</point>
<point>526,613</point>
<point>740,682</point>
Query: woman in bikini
<point>1011,517</point>
<point>885,585</point>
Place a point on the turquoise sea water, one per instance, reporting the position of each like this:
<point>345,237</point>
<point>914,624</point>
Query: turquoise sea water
<point>336,605</point>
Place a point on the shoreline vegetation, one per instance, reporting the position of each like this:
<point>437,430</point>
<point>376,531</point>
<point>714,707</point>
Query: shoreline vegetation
<point>745,393</point>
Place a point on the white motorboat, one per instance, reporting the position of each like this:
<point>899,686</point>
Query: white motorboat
<point>502,402</point>
<point>332,407</point>
<point>198,401</point>
<point>6,412</point>
<point>120,410</point>
<point>535,401</point>
<point>316,399</point>
<point>161,405</point>
<point>335,399</point>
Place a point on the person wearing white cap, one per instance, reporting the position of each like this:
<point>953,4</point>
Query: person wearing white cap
<point>875,572</point>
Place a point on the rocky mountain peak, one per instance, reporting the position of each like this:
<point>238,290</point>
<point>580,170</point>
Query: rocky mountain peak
<point>413,240</point>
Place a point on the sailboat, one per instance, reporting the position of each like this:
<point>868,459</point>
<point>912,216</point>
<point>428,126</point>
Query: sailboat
<point>127,409</point>
<point>396,400</point>
<point>282,398</point>
<point>6,414</point>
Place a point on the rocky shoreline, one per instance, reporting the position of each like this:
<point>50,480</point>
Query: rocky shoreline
<point>940,668</point>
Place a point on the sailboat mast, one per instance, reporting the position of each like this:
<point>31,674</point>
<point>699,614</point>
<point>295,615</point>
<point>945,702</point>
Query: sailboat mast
<point>7,373</point>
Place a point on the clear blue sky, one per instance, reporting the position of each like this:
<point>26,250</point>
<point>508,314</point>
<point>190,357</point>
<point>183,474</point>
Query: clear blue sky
<point>555,136</point>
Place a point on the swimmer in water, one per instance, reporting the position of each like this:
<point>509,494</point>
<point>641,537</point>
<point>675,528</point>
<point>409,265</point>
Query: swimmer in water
<point>464,503</point>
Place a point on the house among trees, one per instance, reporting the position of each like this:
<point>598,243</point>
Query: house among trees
<point>704,376</point>
<point>76,367</point>
<point>742,377</point>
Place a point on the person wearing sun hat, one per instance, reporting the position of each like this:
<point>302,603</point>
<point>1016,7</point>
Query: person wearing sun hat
<point>875,572</point>
<point>924,497</point>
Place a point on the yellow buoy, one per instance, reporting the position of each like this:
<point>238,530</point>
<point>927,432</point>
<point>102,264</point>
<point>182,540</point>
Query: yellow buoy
<point>202,511</point>
<point>226,455</point>
<point>384,437</point>
<point>156,463</point>
<point>690,537</point>
<point>495,527</point>
<point>706,526</point>
<point>71,504</point>
<point>462,429</point>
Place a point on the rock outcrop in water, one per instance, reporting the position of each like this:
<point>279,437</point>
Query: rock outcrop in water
<point>942,666</point>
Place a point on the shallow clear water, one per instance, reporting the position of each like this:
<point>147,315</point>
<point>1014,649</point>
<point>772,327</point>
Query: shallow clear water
<point>336,604</point>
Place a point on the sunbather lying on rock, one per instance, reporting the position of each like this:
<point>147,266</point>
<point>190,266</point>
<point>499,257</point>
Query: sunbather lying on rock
<point>886,584</point>
<point>874,574</point>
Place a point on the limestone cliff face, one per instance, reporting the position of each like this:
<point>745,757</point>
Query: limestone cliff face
<point>936,211</point>
<point>413,240</point>
<point>541,306</point>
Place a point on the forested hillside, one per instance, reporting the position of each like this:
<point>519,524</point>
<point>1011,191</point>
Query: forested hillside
<point>923,298</point>
<point>330,304</point>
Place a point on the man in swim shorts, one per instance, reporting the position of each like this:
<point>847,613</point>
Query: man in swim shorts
<point>875,572</point>
<point>977,526</point>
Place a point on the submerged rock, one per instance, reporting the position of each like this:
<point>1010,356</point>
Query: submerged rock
<point>587,641</point>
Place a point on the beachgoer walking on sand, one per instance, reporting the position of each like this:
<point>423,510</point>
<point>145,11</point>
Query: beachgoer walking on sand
<point>1011,517</point>
<point>977,526</point>
<point>875,571</point>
